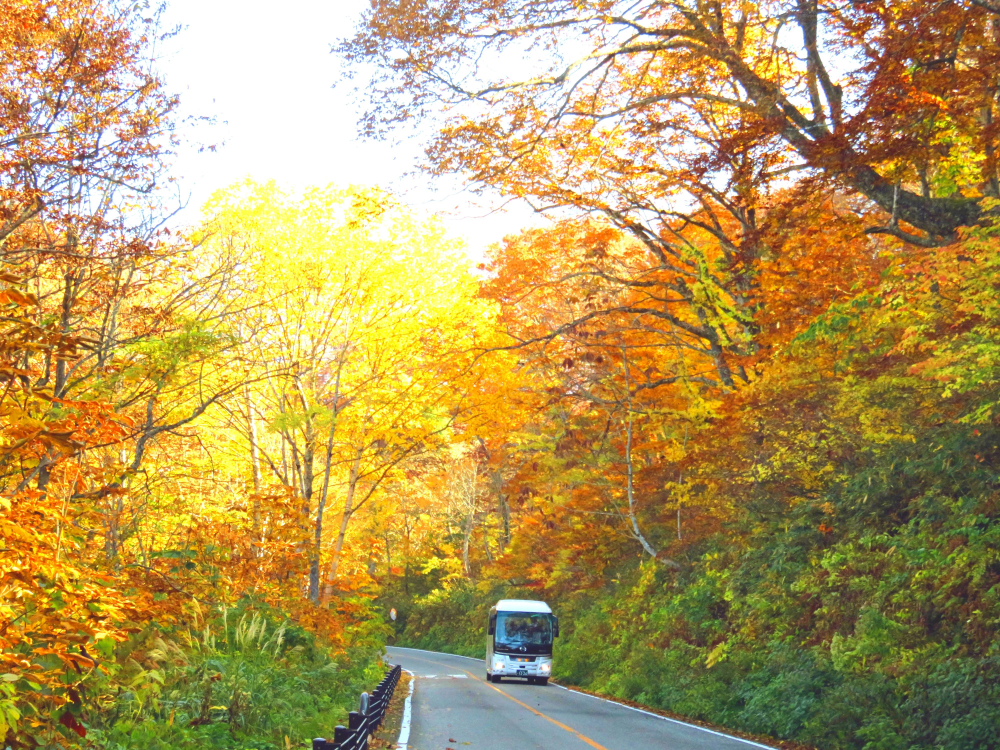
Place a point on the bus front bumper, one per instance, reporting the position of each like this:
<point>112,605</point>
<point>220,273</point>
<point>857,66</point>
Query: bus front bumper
<point>514,668</point>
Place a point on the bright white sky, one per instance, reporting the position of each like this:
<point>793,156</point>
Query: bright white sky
<point>265,72</point>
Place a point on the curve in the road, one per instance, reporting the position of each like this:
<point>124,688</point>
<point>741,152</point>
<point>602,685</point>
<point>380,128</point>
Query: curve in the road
<point>454,708</point>
<point>559,724</point>
<point>403,743</point>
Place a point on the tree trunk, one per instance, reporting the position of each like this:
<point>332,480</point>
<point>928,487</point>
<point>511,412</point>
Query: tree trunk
<point>338,546</point>
<point>308,468</point>
<point>388,556</point>
<point>486,540</point>
<point>466,534</point>
<point>503,507</point>
<point>630,474</point>
<point>505,519</point>
<point>630,491</point>
<point>110,534</point>
<point>284,459</point>
<point>320,508</point>
<point>254,464</point>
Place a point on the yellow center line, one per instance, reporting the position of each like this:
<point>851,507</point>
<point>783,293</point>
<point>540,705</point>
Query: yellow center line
<point>581,737</point>
<point>559,724</point>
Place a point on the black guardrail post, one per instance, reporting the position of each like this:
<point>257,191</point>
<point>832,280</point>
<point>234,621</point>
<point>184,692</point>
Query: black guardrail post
<point>363,722</point>
<point>358,726</point>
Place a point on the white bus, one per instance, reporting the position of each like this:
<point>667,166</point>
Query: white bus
<point>519,641</point>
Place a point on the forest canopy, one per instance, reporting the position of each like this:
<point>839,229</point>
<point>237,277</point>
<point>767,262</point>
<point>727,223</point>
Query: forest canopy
<point>733,410</point>
<point>751,453</point>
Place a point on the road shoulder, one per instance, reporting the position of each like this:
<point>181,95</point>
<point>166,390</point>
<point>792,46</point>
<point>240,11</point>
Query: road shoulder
<point>388,733</point>
<point>759,739</point>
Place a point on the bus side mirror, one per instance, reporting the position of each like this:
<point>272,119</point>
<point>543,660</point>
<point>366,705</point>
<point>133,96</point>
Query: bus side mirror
<point>493,625</point>
<point>555,626</point>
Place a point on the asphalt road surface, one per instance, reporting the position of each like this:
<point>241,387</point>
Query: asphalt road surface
<point>454,707</point>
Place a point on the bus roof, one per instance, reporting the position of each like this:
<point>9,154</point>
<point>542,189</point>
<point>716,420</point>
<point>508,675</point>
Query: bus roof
<point>522,605</point>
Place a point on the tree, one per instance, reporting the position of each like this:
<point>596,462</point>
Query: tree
<point>361,311</point>
<point>665,105</point>
<point>87,129</point>
<point>688,127</point>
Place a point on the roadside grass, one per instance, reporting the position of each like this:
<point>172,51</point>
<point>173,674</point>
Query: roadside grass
<point>245,680</point>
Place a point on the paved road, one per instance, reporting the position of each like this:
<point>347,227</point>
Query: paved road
<point>454,707</point>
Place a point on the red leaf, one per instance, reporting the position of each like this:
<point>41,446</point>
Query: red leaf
<point>69,721</point>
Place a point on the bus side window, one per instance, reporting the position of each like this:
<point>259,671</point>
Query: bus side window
<point>555,626</point>
<point>493,624</point>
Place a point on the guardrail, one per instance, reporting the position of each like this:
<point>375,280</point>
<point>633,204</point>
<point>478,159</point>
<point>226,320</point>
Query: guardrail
<point>363,722</point>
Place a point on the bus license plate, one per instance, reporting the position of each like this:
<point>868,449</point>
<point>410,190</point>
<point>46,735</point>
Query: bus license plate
<point>522,673</point>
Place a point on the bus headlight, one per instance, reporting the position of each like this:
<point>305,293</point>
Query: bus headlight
<point>545,667</point>
<point>498,665</point>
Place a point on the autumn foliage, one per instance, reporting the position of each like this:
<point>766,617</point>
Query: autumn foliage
<point>733,410</point>
<point>749,443</point>
<point>117,540</point>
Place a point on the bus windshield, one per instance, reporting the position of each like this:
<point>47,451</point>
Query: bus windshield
<point>524,632</point>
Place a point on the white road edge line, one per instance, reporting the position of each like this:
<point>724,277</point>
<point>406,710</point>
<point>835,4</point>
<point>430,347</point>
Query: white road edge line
<point>667,718</point>
<point>404,727</point>
<point>438,653</point>
<point>606,700</point>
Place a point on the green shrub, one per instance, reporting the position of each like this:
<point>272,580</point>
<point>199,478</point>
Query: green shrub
<point>242,681</point>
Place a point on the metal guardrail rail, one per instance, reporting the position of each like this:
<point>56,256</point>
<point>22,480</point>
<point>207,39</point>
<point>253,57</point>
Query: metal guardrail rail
<point>363,722</point>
